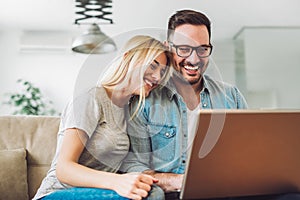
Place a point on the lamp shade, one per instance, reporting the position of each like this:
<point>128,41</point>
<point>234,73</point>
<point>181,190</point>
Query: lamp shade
<point>93,41</point>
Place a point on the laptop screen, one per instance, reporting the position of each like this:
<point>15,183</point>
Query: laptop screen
<point>244,152</point>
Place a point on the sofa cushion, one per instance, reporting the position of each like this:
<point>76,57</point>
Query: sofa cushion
<point>13,174</point>
<point>36,134</point>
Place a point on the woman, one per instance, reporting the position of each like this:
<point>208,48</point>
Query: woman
<point>92,139</point>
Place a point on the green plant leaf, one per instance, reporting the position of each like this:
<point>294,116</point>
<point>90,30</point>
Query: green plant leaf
<point>29,101</point>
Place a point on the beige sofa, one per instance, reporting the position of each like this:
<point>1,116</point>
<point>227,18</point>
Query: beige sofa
<point>27,146</point>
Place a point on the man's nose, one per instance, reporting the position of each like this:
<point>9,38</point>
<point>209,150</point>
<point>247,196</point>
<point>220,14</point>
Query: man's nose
<point>193,58</point>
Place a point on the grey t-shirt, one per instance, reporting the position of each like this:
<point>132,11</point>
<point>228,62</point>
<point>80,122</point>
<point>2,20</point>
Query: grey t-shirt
<point>104,123</point>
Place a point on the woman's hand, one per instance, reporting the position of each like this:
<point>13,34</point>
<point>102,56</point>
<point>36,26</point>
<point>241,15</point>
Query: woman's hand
<point>69,171</point>
<point>133,185</point>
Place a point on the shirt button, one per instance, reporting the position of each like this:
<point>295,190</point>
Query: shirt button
<point>184,111</point>
<point>183,161</point>
<point>204,104</point>
<point>167,134</point>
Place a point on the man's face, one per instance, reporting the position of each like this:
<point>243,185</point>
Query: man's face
<point>193,66</point>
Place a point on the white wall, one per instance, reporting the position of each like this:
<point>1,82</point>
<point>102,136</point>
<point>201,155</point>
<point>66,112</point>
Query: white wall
<point>272,67</point>
<point>53,72</point>
<point>224,59</point>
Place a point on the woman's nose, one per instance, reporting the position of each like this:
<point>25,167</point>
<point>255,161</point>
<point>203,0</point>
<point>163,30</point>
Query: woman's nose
<point>156,75</point>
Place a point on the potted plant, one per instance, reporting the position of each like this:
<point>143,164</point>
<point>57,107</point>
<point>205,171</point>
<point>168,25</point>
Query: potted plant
<point>29,101</point>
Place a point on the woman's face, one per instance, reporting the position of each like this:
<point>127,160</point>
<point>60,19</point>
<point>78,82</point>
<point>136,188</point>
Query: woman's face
<point>153,74</point>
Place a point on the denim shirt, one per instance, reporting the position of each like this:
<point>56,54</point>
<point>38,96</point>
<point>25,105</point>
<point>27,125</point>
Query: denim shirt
<point>158,133</point>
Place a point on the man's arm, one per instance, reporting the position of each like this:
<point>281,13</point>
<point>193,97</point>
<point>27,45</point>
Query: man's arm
<point>167,181</point>
<point>138,157</point>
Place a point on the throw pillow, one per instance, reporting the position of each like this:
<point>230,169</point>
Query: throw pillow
<point>13,174</point>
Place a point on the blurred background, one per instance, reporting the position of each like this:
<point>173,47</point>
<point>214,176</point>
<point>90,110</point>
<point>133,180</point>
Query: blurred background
<point>256,45</point>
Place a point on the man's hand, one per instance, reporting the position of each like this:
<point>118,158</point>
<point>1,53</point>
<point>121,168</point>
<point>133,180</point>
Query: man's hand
<point>167,181</point>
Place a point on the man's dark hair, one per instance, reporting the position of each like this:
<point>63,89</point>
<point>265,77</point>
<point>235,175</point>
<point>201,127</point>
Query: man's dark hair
<point>187,17</point>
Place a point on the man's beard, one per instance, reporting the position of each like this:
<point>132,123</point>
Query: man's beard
<point>200,65</point>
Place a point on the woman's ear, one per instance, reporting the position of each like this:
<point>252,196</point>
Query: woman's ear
<point>125,55</point>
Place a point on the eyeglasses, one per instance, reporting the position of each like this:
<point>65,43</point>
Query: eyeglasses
<point>185,51</point>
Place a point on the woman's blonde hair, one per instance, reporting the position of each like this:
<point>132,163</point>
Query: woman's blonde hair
<point>140,51</point>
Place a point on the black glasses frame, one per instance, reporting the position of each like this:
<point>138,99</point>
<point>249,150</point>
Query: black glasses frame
<point>193,49</point>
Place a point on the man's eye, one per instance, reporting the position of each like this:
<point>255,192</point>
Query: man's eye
<point>184,49</point>
<point>202,50</point>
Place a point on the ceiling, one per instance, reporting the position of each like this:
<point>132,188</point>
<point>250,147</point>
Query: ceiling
<point>227,16</point>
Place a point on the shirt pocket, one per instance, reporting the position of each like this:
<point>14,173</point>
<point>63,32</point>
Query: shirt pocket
<point>163,141</point>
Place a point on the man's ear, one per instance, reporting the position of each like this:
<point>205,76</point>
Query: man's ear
<point>166,43</point>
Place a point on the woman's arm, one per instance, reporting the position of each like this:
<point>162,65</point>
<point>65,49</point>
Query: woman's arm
<point>69,171</point>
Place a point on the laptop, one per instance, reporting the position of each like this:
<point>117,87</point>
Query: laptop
<point>244,153</point>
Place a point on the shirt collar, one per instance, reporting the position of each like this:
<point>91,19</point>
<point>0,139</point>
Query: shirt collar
<point>205,85</point>
<point>171,88</point>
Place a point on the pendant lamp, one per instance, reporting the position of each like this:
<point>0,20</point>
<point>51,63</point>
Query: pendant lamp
<point>94,41</point>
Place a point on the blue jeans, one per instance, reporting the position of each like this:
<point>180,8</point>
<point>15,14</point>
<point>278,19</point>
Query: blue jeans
<point>84,194</point>
<point>80,193</point>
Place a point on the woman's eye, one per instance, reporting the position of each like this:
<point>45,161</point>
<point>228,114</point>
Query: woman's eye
<point>153,67</point>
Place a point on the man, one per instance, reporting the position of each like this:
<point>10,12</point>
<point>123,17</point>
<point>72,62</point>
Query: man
<point>161,133</point>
